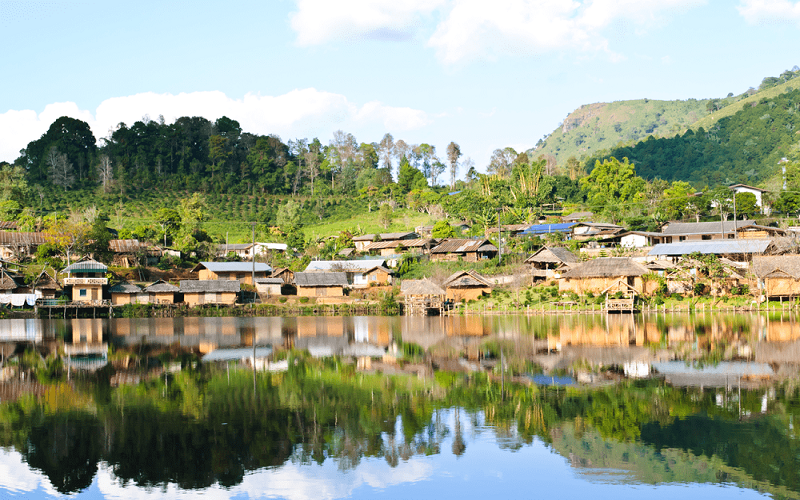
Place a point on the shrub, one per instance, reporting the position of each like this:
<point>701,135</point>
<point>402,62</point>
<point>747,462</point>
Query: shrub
<point>303,300</point>
<point>699,288</point>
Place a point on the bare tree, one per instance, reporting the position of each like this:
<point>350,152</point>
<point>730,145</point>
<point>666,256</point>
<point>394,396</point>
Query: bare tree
<point>60,168</point>
<point>343,151</point>
<point>106,173</point>
<point>401,150</point>
<point>501,161</point>
<point>453,154</point>
<point>312,167</point>
<point>386,151</point>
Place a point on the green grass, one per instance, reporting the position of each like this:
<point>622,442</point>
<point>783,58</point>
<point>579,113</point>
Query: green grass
<point>708,121</point>
<point>367,222</point>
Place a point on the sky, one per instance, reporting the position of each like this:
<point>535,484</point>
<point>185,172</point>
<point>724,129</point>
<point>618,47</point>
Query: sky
<point>485,75</point>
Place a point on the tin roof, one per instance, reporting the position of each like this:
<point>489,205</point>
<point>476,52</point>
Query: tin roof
<point>415,243</point>
<point>213,286</point>
<point>386,236</point>
<point>718,247</point>
<point>232,267</point>
<point>687,228</point>
<point>455,245</point>
<point>561,227</point>
<point>125,287</point>
<point>86,266</point>
<point>21,239</point>
<point>320,279</point>
<point>343,265</point>
<point>161,286</point>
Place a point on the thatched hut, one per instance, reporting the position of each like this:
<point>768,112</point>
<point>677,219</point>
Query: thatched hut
<point>597,275</point>
<point>421,296</point>
<point>466,285</point>
<point>548,261</point>
<point>46,286</point>
<point>161,292</point>
<point>778,276</point>
<point>127,293</point>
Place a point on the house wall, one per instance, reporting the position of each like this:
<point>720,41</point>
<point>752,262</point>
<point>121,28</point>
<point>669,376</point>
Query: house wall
<point>199,298</point>
<point>755,192</point>
<point>320,291</point>
<point>450,257</point>
<point>633,240</point>
<point>244,277</point>
<point>597,285</point>
<point>776,287</point>
<point>92,292</point>
<point>459,294</point>
<point>378,277</point>
<point>162,298</point>
<point>268,289</point>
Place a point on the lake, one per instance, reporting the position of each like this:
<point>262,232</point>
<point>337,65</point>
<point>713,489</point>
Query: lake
<point>716,420</point>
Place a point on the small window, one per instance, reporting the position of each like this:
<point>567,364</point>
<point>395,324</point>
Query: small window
<point>681,238</point>
<point>731,236</point>
<point>706,236</point>
<point>82,292</point>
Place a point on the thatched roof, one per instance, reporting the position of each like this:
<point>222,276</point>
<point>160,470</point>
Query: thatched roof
<point>777,266</point>
<point>21,239</point>
<point>420,287</point>
<point>86,266</point>
<point>45,281</point>
<point>553,255</point>
<point>161,286</point>
<point>7,282</point>
<point>608,267</point>
<point>466,279</point>
<point>320,279</point>
<point>125,287</point>
<point>463,246</point>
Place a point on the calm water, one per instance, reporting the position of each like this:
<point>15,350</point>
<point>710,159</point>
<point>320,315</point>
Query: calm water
<point>311,438</point>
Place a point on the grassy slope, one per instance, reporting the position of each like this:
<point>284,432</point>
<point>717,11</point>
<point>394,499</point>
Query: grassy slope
<point>594,127</point>
<point>367,222</point>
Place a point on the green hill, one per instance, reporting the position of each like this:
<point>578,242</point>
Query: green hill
<point>601,126</point>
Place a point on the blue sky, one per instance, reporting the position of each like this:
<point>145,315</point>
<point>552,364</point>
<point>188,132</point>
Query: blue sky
<point>483,74</point>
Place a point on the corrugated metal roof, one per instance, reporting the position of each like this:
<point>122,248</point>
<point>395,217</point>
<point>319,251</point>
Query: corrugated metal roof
<point>343,265</point>
<point>125,287</point>
<point>320,279</point>
<point>8,224</point>
<point>214,286</point>
<point>387,236</point>
<point>718,247</point>
<point>686,228</point>
<point>418,242</point>
<point>86,266</point>
<point>269,281</point>
<point>161,286</point>
<point>562,227</point>
<point>232,267</point>
<point>15,239</point>
<point>462,246</point>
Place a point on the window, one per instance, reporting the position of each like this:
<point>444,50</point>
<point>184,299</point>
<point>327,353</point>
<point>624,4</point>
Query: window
<point>706,236</point>
<point>82,292</point>
<point>681,238</point>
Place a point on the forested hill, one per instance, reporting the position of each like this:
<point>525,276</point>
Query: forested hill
<point>745,147</point>
<point>596,127</point>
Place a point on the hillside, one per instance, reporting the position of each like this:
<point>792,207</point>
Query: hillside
<point>601,126</point>
<point>708,121</point>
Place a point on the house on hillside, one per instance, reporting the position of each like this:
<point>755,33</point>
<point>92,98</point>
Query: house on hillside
<point>355,270</point>
<point>597,275</point>
<point>314,284</point>
<point>46,286</point>
<point>417,246</point>
<point>15,245</point>
<point>200,292</point>
<point>587,230</point>
<point>577,216</point>
<point>778,276</point>
<point>466,250</point>
<point>245,250</point>
<point>676,232</point>
<point>757,192</point>
<point>741,250</point>
<point>427,231</point>
<point>8,283</point>
<point>241,271</point>
<point>362,241</point>
<point>87,279</point>
<point>509,229</point>
<point>466,285</point>
<point>133,253</point>
<point>547,262</point>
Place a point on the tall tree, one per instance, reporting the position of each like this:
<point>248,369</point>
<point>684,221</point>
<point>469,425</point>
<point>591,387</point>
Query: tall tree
<point>453,154</point>
<point>501,161</point>
<point>105,173</point>
<point>386,151</point>
<point>60,169</point>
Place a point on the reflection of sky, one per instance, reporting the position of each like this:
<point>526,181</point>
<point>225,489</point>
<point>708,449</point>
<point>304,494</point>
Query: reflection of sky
<point>494,465</point>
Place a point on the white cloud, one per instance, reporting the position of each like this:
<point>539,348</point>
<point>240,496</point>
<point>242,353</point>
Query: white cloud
<point>299,113</point>
<point>770,11</point>
<point>477,29</point>
<point>320,21</point>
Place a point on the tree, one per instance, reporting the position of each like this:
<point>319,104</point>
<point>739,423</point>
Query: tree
<point>193,212</point>
<point>385,215</point>
<point>66,233</point>
<point>386,151</point>
<point>675,201</point>
<point>60,169</point>
<point>501,161</point>
<point>746,205</point>
<point>453,154</point>
<point>217,152</point>
<point>289,215</point>
<point>13,190</point>
<point>105,173</point>
<point>410,178</point>
<point>612,186</point>
<point>170,221</point>
<point>443,229</point>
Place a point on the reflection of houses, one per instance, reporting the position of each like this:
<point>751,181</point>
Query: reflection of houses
<point>127,293</point>
<point>361,242</point>
<point>778,276</point>
<point>329,284</point>
<point>87,279</point>
<point>547,261</point>
<point>199,292</point>
<point>132,253</point>
<point>596,275</point>
<point>466,250</point>
<point>161,292</point>
<point>241,271</point>
<point>87,351</point>
<point>466,285</point>
<point>421,296</point>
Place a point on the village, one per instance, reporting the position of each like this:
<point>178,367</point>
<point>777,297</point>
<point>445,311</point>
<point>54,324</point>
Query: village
<point>579,265</point>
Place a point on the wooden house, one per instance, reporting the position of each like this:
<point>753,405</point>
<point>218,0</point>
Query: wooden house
<point>421,296</point>
<point>548,261</point>
<point>284,273</point>
<point>416,246</point>
<point>355,270</point>
<point>239,271</point>
<point>378,276</point>
<point>127,293</point>
<point>577,216</point>
<point>8,282</point>
<point>133,253</point>
<point>311,284</point>
<point>597,275</point>
<point>466,285</point>
<point>466,250</point>
<point>16,245</point>
<point>199,292</point>
<point>269,286</point>
<point>362,241</point>
<point>46,286</point>
<point>161,292</point>
<point>778,276</point>
<point>87,279</point>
